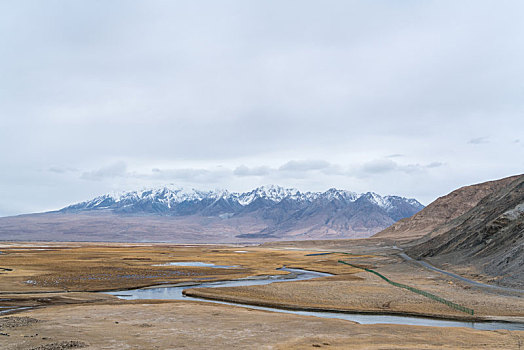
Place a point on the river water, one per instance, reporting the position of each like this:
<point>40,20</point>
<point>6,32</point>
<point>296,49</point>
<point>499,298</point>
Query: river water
<point>175,293</point>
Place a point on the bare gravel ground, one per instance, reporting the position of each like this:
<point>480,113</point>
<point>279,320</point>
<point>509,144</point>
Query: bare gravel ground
<point>78,319</point>
<point>194,325</point>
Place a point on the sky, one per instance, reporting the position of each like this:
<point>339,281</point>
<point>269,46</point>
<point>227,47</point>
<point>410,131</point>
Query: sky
<point>409,98</point>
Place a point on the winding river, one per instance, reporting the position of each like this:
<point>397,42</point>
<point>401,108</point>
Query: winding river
<point>175,293</point>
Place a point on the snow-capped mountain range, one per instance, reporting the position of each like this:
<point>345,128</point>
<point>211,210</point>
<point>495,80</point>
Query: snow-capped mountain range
<point>170,214</point>
<point>170,200</point>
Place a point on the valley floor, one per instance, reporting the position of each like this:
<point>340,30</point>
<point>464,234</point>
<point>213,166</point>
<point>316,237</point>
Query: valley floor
<point>58,281</point>
<point>194,325</point>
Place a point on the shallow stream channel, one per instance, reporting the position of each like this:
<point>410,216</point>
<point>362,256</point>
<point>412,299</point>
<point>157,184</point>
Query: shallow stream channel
<point>176,293</point>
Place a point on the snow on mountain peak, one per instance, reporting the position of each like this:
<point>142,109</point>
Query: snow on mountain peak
<point>343,195</point>
<point>168,197</point>
<point>382,202</point>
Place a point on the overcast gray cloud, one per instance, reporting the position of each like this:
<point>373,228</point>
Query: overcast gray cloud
<point>118,169</point>
<point>479,140</point>
<point>399,97</point>
<point>386,165</point>
<point>379,166</point>
<point>243,170</point>
<point>304,165</point>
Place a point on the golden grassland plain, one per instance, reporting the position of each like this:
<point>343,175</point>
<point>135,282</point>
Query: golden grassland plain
<point>95,267</point>
<point>60,280</point>
<point>366,292</point>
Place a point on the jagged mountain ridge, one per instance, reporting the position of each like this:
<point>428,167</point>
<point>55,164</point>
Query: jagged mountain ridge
<point>179,202</point>
<point>173,215</point>
<point>166,199</point>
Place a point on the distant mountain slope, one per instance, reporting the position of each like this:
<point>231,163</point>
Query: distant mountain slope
<point>489,236</point>
<point>433,219</point>
<point>170,214</point>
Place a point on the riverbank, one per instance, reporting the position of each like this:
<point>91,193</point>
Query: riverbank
<point>195,325</point>
<point>97,267</point>
<point>364,292</point>
<point>90,267</point>
<point>366,296</point>
<point>62,276</point>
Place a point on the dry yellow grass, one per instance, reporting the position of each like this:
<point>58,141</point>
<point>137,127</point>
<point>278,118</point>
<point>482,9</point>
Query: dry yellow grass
<point>103,321</point>
<point>194,325</point>
<point>365,292</point>
<point>95,267</point>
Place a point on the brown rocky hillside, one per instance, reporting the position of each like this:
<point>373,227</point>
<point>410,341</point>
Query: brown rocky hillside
<point>489,237</point>
<point>438,216</point>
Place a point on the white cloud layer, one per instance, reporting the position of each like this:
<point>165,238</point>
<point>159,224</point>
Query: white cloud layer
<point>408,98</point>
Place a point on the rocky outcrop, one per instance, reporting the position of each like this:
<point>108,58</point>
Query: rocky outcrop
<point>439,216</point>
<point>489,236</point>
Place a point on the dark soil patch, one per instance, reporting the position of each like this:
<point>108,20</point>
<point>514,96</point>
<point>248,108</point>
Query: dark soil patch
<point>69,344</point>
<point>13,322</point>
